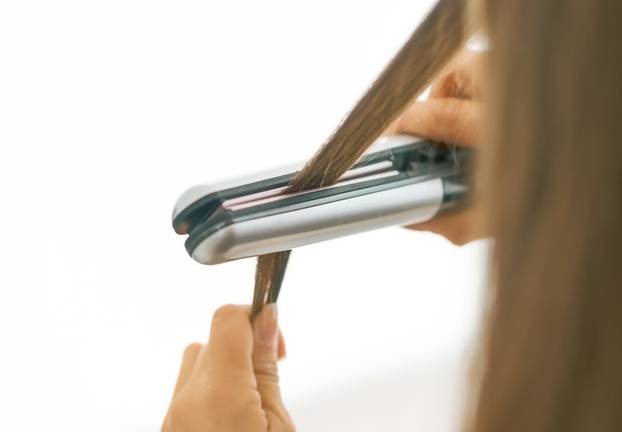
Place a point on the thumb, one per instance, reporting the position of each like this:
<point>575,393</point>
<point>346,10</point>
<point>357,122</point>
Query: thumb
<point>265,357</point>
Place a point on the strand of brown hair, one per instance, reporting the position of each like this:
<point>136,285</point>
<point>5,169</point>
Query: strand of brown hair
<point>428,49</point>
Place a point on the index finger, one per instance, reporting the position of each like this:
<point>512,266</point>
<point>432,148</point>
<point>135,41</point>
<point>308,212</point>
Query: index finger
<point>452,121</point>
<point>458,78</point>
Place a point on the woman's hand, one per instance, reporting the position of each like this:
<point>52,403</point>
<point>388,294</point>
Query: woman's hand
<point>231,383</point>
<point>451,115</point>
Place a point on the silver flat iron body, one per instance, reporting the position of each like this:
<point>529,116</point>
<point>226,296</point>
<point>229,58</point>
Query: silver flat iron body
<point>404,180</point>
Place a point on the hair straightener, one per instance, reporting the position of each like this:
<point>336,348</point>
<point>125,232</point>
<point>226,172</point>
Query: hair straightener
<point>405,180</point>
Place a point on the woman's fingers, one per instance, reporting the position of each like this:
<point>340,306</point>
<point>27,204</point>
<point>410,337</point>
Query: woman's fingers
<point>191,353</point>
<point>232,382</point>
<point>230,345</point>
<point>281,351</point>
<point>458,79</point>
<point>265,357</point>
<point>459,228</point>
<point>187,366</point>
<point>453,121</point>
<point>454,85</point>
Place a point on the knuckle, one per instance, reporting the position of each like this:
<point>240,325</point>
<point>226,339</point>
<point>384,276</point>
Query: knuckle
<point>450,83</point>
<point>267,372</point>
<point>442,84</point>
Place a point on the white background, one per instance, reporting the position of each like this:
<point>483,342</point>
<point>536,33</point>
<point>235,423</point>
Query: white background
<point>108,111</point>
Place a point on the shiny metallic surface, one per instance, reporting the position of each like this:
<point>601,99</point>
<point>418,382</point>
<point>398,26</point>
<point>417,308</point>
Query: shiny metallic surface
<point>409,204</point>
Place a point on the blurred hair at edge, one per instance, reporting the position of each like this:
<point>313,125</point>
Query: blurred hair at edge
<point>551,353</point>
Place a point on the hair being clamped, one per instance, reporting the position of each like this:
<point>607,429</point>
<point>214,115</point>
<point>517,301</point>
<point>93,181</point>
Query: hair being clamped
<point>406,180</point>
<point>410,181</point>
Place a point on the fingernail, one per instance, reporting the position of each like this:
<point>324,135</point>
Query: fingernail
<point>266,326</point>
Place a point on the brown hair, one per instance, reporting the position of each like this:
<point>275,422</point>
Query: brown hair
<point>552,352</point>
<point>424,54</point>
<point>551,355</point>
